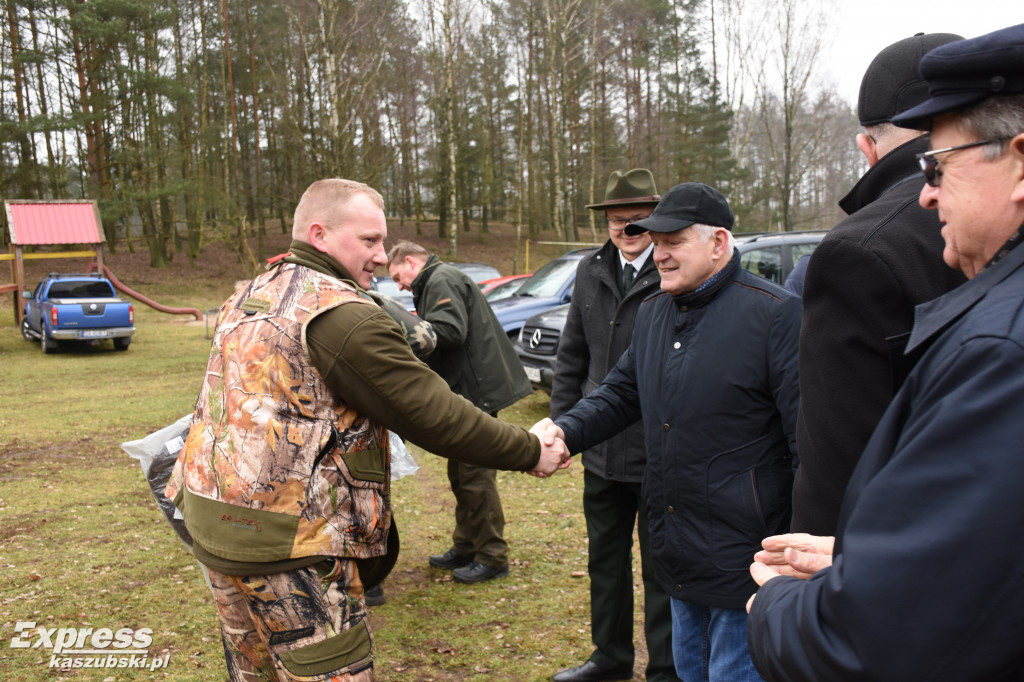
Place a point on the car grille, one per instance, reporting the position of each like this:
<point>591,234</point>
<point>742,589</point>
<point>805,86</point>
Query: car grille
<point>540,340</point>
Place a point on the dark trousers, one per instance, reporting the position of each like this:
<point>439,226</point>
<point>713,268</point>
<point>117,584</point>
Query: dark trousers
<point>479,519</point>
<point>611,508</point>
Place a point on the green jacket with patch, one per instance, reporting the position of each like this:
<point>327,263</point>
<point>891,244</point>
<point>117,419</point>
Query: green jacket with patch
<point>473,354</point>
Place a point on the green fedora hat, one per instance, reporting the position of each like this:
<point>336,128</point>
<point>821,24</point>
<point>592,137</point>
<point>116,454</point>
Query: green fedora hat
<point>632,188</point>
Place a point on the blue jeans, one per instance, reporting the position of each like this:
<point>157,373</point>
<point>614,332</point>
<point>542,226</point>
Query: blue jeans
<point>710,644</point>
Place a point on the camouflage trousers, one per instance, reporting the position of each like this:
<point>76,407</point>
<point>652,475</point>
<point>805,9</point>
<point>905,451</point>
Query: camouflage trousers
<point>306,624</point>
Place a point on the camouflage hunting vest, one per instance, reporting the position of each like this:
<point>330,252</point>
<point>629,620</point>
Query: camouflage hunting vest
<point>275,466</point>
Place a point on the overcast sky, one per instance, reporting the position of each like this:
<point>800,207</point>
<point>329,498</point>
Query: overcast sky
<point>864,27</point>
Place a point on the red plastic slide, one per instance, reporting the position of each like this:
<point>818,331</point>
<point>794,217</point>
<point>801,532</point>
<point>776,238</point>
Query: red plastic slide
<point>136,295</point>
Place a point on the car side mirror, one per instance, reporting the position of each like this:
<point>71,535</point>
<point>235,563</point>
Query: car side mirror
<point>26,294</point>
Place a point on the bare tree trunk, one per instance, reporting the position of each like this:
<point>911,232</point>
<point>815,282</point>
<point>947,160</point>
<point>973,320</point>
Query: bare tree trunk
<point>233,185</point>
<point>26,155</point>
<point>449,114</point>
<point>261,230</point>
<point>53,168</point>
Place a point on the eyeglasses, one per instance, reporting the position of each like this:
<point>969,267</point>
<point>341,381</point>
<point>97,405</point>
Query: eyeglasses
<point>619,224</point>
<point>930,165</point>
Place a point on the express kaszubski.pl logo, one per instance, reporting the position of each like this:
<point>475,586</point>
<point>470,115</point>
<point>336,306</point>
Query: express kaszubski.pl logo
<point>90,647</point>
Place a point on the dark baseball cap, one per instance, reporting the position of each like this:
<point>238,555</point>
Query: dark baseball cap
<point>684,205</point>
<point>965,72</point>
<point>892,83</point>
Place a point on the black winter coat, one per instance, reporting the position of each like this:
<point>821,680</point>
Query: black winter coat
<point>597,331</point>
<point>862,284</point>
<point>474,355</point>
<point>715,381</point>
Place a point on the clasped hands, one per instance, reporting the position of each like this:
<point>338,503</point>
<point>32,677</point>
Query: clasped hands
<point>554,454</point>
<point>797,555</point>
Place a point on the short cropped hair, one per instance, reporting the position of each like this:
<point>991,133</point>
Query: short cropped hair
<point>326,201</point>
<point>406,248</point>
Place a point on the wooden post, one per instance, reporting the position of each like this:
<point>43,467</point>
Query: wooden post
<point>19,279</point>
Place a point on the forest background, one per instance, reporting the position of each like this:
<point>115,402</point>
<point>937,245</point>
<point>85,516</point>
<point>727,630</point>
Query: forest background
<point>201,121</point>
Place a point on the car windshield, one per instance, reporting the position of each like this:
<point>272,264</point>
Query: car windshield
<point>549,279</point>
<point>504,290</point>
<point>96,289</point>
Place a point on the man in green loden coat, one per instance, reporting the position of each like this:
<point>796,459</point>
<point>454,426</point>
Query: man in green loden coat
<point>476,358</point>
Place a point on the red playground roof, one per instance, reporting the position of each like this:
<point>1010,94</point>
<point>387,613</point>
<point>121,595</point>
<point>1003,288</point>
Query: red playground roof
<point>54,222</point>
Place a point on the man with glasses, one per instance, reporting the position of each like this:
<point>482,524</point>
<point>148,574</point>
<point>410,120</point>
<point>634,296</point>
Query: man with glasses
<point>610,284</point>
<point>928,564</point>
<point>860,289</point>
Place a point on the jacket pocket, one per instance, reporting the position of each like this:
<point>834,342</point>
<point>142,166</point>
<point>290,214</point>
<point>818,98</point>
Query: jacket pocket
<point>361,466</point>
<point>351,491</point>
<point>366,466</point>
<point>736,505</point>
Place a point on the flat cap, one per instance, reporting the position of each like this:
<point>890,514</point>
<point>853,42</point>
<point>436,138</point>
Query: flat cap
<point>892,83</point>
<point>684,205</point>
<point>963,73</point>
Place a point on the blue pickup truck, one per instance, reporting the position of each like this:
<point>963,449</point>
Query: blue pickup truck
<point>79,308</point>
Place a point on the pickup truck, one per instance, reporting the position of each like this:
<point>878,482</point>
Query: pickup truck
<point>76,307</point>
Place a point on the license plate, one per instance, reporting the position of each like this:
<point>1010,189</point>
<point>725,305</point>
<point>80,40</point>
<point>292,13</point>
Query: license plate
<point>533,374</point>
<point>95,334</point>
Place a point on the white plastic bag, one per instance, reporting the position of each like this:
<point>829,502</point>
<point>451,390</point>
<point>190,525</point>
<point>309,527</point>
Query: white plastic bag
<point>157,454</point>
<point>402,463</point>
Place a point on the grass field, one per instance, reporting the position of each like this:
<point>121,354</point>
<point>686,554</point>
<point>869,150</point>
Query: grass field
<point>82,543</point>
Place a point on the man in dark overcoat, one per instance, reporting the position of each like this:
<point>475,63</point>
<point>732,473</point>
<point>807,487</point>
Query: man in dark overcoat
<point>860,289</point>
<point>610,284</point>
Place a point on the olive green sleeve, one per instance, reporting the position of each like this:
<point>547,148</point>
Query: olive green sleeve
<point>365,361</point>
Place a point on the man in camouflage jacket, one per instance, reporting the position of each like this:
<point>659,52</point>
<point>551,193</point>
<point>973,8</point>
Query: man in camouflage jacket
<point>284,478</point>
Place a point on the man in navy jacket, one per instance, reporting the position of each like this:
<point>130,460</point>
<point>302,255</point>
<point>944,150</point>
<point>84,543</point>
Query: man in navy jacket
<point>712,372</point>
<point>927,573</point>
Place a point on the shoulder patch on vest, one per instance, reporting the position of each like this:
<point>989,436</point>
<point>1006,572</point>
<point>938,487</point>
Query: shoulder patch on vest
<point>255,305</point>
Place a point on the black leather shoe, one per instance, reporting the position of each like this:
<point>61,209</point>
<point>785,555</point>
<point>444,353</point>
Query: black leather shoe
<point>450,559</point>
<point>375,596</point>
<point>475,572</point>
<point>592,672</point>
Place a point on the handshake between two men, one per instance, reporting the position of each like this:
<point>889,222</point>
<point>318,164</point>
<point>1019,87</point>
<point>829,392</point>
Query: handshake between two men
<point>796,555</point>
<point>554,453</point>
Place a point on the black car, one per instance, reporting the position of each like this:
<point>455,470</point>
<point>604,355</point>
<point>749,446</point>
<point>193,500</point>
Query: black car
<point>538,344</point>
<point>770,255</point>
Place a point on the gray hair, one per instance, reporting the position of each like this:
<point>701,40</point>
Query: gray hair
<point>326,201</point>
<point>999,118</point>
<point>708,231</point>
